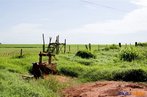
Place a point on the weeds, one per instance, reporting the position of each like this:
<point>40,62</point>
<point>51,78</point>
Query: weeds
<point>85,54</point>
<point>135,75</point>
<point>130,53</point>
<point>105,66</point>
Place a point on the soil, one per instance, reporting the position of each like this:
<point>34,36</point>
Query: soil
<point>107,89</point>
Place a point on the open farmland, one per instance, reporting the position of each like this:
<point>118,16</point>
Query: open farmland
<point>108,64</point>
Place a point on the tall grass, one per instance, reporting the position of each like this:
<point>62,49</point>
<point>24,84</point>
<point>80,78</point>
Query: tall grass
<point>130,53</point>
<point>106,66</point>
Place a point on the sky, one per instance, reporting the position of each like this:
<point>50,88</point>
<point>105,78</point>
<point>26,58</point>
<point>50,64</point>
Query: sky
<point>78,21</point>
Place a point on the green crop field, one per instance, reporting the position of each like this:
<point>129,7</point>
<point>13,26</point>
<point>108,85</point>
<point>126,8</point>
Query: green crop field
<point>110,62</point>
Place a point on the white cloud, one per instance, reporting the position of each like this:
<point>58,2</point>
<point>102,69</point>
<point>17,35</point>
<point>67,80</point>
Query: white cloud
<point>27,33</point>
<point>23,33</point>
<point>140,2</point>
<point>98,32</point>
<point>132,22</point>
<point>25,28</point>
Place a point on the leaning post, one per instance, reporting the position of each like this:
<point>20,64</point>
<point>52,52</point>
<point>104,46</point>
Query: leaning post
<point>43,43</point>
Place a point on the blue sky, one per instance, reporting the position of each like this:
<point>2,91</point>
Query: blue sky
<point>79,21</point>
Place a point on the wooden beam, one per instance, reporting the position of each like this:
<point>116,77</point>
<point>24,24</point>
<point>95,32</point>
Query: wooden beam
<point>50,39</point>
<point>40,58</point>
<point>57,46</point>
<point>43,43</point>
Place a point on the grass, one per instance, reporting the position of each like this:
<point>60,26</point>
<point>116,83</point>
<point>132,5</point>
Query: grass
<point>106,66</point>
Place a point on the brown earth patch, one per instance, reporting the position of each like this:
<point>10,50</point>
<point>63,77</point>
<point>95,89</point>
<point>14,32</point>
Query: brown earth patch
<point>107,89</point>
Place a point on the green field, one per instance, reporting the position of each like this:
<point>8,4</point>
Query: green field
<point>107,65</point>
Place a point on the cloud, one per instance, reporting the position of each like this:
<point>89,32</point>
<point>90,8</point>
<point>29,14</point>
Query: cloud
<point>134,21</point>
<point>22,33</point>
<point>140,2</point>
<point>132,27</point>
<point>25,28</point>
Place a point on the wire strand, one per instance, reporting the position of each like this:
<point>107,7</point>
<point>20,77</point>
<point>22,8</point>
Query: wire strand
<point>101,5</point>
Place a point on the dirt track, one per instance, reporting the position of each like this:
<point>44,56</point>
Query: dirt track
<point>107,89</point>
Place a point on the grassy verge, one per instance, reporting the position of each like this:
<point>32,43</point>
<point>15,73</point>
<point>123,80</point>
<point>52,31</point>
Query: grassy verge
<point>107,65</point>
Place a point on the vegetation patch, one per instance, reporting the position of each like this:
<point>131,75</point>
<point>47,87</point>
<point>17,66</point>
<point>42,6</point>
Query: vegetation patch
<point>85,54</point>
<point>130,53</point>
<point>113,46</point>
<point>135,75</point>
<point>95,75</point>
<point>106,66</point>
<point>73,71</point>
<point>142,44</point>
<point>108,47</point>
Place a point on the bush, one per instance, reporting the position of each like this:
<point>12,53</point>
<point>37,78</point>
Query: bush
<point>95,75</point>
<point>85,54</point>
<point>68,72</point>
<point>130,54</point>
<point>113,46</point>
<point>106,48</point>
<point>142,44</point>
<point>135,75</point>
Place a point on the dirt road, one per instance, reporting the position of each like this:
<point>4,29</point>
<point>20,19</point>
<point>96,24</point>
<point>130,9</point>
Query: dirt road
<point>107,89</point>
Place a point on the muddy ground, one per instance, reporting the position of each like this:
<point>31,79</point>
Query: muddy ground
<point>107,89</point>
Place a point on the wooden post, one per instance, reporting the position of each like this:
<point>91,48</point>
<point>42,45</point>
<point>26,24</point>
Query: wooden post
<point>20,54</point>
<point>57,44</point>
<point>43,43</point>
<point>64,46</point>
<point>40,58</point>
<point>50,39</point>
<point>136,44</point>
<point>89,46</point>
<point>86,47</point>
<point>50,58</point>
<point>119,44</point>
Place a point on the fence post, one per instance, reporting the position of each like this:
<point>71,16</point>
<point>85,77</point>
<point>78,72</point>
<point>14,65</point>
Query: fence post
<point>89,46</point>
<point>86,47</point>
<point>136,44</point>
<point>57,44</point>
<point>40,58</point>
<point>119,44</point>
<point>43,43</point>
<point>21,54</point>
<point>64,46</point>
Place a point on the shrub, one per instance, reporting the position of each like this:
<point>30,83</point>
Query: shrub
<point>113,46</point>
<point>135,75</point>
<point>107,48</point>
<point>85,54</point>
<point>142,44</point>
<point>130,53</point>
<point>85,62</point>
<point>95,75</point>
<point>69,72</point>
